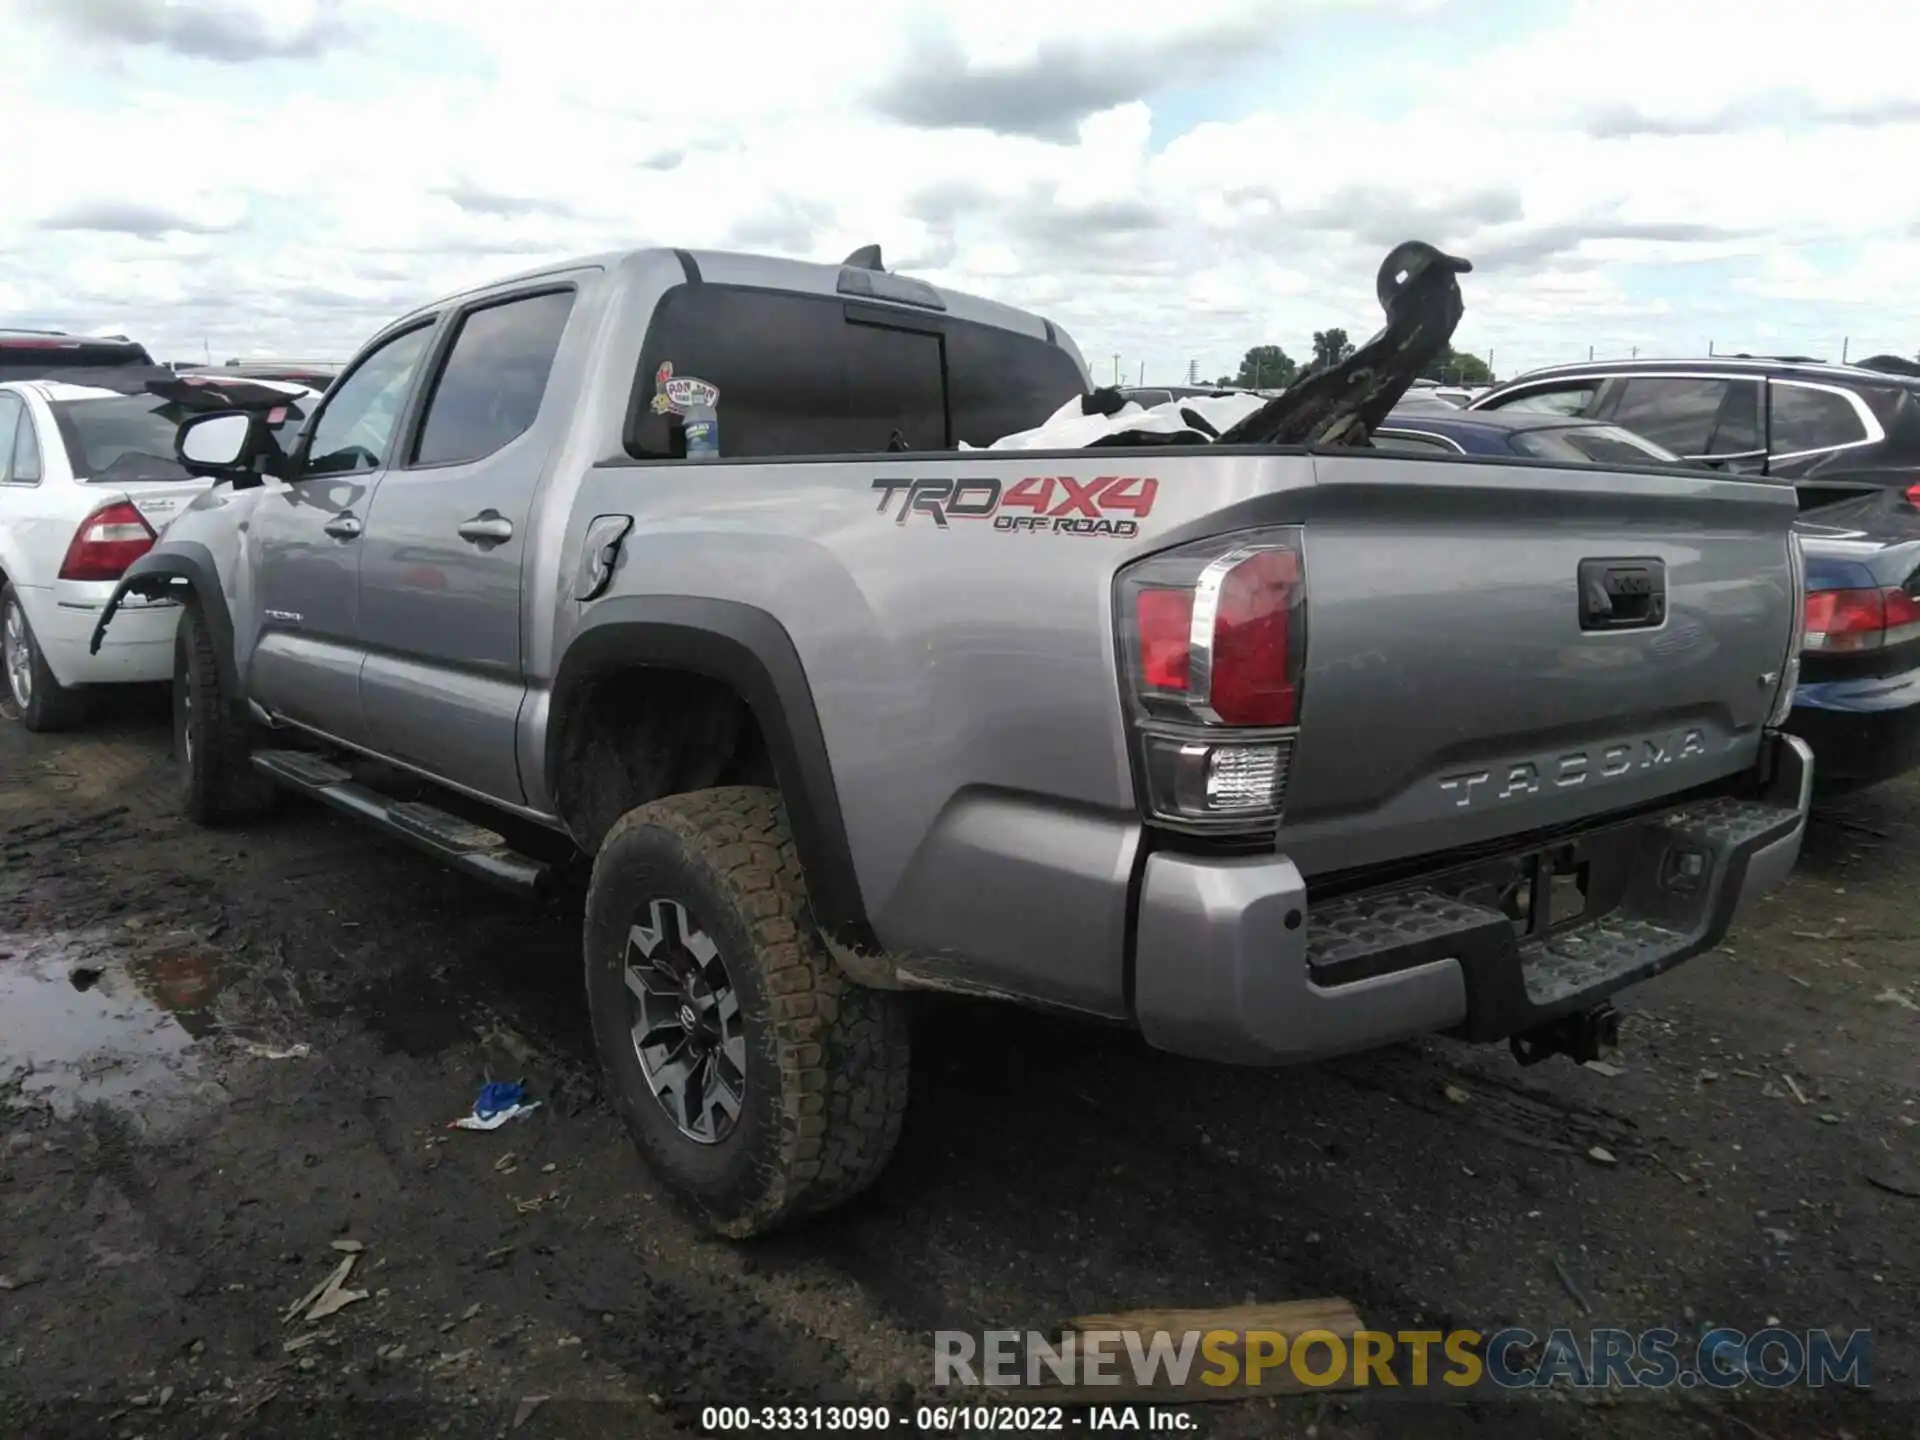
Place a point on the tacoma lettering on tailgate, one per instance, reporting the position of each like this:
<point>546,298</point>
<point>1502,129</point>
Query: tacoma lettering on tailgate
<point>1575,767</point>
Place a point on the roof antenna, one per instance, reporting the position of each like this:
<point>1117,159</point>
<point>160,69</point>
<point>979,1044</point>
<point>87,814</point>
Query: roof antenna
<point>867,257</point>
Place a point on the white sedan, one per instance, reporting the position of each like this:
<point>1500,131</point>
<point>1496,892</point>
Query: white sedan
<point>88,480</point>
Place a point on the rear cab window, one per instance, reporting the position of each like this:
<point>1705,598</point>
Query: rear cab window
<point>802,374</point>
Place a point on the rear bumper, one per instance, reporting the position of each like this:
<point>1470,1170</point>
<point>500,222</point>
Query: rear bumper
<point>1232,963</point>
<point>138,648</point>
<point>1861,731</point>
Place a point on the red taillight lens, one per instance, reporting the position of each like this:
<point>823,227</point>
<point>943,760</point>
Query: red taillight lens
<point>1913,494</point>
<point>1164,619</point>
<point>1841,621</point>
<point>1253,680</point>
<point>1213,643</point>
<point>107,542</point>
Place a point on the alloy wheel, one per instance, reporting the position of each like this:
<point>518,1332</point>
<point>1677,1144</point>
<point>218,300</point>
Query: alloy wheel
<point>17,645</point>
<point>685,1018</point>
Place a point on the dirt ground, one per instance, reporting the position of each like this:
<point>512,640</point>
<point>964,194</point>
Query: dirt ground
<point>223,1057</point>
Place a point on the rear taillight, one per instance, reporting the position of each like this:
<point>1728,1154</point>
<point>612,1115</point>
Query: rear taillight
<point>107,542</point>
<point>1213,639</point>
<point>1839,622</point>
<point>1913,495</point>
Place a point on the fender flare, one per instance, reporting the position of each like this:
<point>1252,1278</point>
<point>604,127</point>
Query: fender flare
<point>157,571</point>
<point>745,647</point>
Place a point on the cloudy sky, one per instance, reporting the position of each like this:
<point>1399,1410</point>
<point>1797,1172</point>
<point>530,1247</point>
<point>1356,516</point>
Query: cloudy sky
<point>1172,184</point>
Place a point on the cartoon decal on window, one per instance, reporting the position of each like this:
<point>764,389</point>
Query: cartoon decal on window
<point>678,394</point>
<point>695,402</point>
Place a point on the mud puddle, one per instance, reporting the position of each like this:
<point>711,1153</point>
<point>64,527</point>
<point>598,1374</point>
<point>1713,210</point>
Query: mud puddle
<point>87,1020</point>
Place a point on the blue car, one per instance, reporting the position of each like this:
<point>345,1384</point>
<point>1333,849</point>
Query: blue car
<point>1858,702</point>
<point>1436,427</point>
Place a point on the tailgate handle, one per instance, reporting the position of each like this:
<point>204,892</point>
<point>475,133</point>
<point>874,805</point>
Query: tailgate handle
<point>1623,594</point>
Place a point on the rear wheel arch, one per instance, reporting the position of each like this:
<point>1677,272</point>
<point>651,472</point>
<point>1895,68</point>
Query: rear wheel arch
<point>723,665</point>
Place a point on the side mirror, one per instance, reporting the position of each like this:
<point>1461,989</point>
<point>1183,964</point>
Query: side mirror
<point>223,444</point>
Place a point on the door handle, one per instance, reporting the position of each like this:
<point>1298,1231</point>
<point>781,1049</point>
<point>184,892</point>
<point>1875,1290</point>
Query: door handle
<point>343,527</point>
<point>488,527</point>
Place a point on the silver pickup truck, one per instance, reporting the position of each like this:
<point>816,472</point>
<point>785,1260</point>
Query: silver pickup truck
<point>1270,750</point>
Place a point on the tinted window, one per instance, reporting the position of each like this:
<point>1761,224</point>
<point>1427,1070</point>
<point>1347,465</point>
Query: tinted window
<point>800,375</point>
<point>1562,400</point>
<point>1424,444</point>
<point>999,383</point>
<point>1678,414</point>
<point>1806,419</point>
<point>10,417</point>
<point>1737,431</point>
<point>26,453</point>
<point>357,425</point>
<point>120,438</point>
<point>1592,445</point>
<point>490,388</point>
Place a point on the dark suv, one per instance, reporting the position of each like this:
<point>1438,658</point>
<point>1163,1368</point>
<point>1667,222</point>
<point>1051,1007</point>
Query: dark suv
<point>1848,439</point>
<point>1835,431</point>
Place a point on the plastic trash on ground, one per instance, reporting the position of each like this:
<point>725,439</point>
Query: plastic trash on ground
<point>498,1102</point>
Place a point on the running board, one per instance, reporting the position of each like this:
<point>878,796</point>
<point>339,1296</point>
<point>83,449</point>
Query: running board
<point>474,848</point>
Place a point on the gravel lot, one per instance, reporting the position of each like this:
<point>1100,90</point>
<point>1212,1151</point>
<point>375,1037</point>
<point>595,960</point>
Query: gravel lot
<point>168,1187</point>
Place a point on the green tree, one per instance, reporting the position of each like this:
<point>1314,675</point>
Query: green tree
<point>1330,347</point>
<point>1266,367</point>
<point>1458,367</point>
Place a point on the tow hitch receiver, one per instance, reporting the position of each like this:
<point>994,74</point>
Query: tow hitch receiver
<point>1580,1038</point>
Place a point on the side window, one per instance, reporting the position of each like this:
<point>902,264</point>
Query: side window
<point>805,375</point>
<point>26,453</point>
<point>1000,382</point>
<point>1673,412</point>
<point>495,376</point>
<point>1561,400</point>
<point>1407,440</point>
<point>796,375</point>
<point>1737,431</point>
<point>1807,419</point>
<point>355,430</point>
<point>11,414</point>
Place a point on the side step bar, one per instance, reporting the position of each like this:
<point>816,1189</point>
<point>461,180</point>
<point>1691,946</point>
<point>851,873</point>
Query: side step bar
<point>474,848</point>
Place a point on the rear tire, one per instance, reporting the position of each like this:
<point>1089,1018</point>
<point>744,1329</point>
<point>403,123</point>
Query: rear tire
<point>218,784</point>
<point>43,703</point>
<point>698,934</point>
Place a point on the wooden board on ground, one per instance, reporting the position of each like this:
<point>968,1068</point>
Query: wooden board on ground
<point>1291,1319</point>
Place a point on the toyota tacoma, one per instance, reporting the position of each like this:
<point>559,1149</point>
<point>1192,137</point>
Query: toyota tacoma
<point>1262,741</point>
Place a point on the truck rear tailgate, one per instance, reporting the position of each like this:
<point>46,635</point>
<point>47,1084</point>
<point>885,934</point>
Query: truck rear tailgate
<point>1464,680</point>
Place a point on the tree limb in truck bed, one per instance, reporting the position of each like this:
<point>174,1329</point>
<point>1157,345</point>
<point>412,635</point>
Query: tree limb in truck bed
<point>1342,404</point>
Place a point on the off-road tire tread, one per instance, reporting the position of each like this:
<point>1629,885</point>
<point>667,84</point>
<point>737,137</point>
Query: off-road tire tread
<point>842,1048</point>
<point>227,789</point>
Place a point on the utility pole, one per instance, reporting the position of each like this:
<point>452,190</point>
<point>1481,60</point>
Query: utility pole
<point>1709,349</point>
<point>1489,362</point>
<point>1845,341</point>
<point>1116,367</point>
<point>1636,352</point>
<point>1589,353</point>
<point>1143,372</point>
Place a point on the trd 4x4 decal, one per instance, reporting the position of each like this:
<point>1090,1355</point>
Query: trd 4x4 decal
<point>1042,504</point>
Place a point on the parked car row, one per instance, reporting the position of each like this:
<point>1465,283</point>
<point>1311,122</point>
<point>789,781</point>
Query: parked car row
<point>89,477</point>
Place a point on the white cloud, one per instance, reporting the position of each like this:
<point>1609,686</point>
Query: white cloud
<point>285,176</point>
